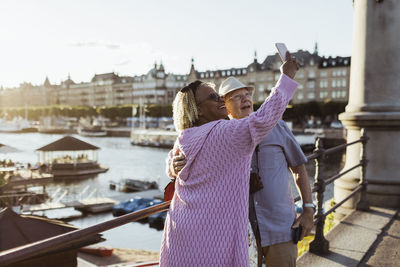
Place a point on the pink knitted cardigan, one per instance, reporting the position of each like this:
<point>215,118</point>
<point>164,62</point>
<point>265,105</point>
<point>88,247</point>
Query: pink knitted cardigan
<point>207,220</point>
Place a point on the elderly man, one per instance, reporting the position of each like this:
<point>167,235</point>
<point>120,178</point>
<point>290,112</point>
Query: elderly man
<point>271,209</point>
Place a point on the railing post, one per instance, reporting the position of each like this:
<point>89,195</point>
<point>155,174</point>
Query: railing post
<point>319,245</point>
<point>363,204</point>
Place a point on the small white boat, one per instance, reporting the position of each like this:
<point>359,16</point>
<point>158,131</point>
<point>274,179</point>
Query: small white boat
<point>92,131</point>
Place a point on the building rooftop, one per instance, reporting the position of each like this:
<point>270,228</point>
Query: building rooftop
<point>68,143</point>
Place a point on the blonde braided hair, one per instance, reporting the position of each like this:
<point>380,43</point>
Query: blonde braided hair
<point>184,107</point>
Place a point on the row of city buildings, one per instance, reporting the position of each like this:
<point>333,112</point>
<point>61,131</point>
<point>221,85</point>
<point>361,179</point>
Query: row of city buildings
<point>320,79</point>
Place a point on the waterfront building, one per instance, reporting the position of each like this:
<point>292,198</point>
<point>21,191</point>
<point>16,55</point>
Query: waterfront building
<point>320,78</point>
<point>110,89</point>
<point>28,94</point>
<point>69,158</point>
<point>107,89</point>
<point>157,87</point>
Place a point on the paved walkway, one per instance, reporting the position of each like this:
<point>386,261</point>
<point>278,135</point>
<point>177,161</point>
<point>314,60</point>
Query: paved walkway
<point>361,239</point>
<point>386,249</point>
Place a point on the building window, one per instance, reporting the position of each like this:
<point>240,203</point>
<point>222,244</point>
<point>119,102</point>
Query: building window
<point>251,69</point>
<point>344,83</point>
<point>244,71</point>
<point>202,75</point>
<point>334,83</point>
<point>228,73</point>
<point>311,95</point>
<point>323,74</point>
<point>211,74</point>
<point>233,72</point>
<point>270,78</point>
<point>344,94</point>
<point>323,94</point>
<point>261,88</point>
<point>344,72</point>
<point>300,75</point>
<point>333,94</point>
<point>300,96</point>
<point>277,77</point>
<point>324,63</point>
<point>311,74</point>
<point>301,86</point>
<point>223,73</point>
<point>311,85</point>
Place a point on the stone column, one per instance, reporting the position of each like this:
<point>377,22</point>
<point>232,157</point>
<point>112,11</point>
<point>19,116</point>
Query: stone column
<point>374,103</point>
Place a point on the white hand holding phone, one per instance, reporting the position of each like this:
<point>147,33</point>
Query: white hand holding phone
<point>282,49</point>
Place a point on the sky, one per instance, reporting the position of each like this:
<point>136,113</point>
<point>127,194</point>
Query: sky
<point>81,38</point>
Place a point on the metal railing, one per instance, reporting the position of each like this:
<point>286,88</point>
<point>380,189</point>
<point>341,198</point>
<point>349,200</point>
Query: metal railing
<point>319,245</point>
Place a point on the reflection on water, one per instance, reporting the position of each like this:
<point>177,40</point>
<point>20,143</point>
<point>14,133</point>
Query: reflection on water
<point>124,161</point>
<point>131,235</point>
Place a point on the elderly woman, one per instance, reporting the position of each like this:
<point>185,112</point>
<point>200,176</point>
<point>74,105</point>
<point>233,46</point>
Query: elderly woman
<point>208,217</point>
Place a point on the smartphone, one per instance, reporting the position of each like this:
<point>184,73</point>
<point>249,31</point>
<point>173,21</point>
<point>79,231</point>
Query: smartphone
<point>296,234</point>
<point>282,49</point>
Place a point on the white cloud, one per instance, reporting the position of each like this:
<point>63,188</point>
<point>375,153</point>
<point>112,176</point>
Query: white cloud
<point>95,44</point>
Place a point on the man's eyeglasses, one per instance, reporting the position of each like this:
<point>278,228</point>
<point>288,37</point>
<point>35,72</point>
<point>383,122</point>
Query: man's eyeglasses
<point>213,96</point>
<point>240,97</point>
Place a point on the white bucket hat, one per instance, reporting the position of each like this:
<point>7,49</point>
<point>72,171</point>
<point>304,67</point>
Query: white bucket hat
<point>231,84</point>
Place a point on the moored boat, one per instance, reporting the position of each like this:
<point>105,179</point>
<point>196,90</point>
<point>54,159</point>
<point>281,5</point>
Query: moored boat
<point>157,220</point>
<point>92,131</point>
<point>134,204</point>
<point>133,185</point>
<point>100,251</point>
<point>69,158</point>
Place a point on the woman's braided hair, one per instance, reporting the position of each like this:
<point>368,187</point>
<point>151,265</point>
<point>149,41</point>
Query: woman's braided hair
<point>185,113</point>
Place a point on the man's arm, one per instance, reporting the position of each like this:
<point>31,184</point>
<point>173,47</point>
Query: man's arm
<point>303,185</point>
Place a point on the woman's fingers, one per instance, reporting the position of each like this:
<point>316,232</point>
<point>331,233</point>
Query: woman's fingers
<point>180,163</point>
<point>288,57</point>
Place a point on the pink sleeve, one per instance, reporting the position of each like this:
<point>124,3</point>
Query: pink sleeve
<point>246,133</point>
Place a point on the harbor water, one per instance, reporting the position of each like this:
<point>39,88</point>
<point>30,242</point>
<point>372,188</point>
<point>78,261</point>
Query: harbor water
<point>124,161</point>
